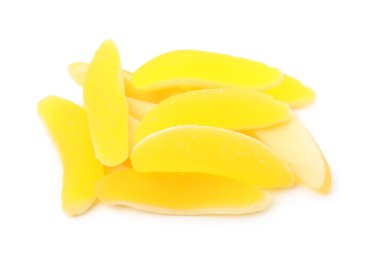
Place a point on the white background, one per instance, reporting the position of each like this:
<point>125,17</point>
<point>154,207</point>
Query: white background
<point>325,44</point>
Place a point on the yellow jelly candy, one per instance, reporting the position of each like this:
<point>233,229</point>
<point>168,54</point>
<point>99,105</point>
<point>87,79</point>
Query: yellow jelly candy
<point>139,108</point>
<point>117,168</point>
<point>132,126</point>
<point>227,108</point>
<point>152,96</point>
<point>211,150</point>
<point>181,193</point>
<point>190,68</point>
<point>67,125</point>
<point>292,92</point>
<point>188,133</point>
<point>106,106</point>
<point>298,149</point>
<point>78,71</point>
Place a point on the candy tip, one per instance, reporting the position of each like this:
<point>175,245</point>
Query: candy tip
<point>77,208</point>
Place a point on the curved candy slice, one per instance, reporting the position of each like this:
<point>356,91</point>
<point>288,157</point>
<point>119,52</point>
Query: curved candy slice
<point>181,193</point>
<point>139,108</point>
<point>67,125</point>
<point>227,108</point>
<point>78,71</point>
<point>190,68</point>
<point>292,92</point>
<point>298,149</point>
<point>211,150</point>
<point>106,106</point>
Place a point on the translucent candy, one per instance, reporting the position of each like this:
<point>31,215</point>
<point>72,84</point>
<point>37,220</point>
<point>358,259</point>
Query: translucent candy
<point>188,133</point>
<point>67,125</point>
<point>106,106</point>
<point>230,108</point>
<point>298,149</point>
<point>212,150</point>
<point>292,92</point>
<point>181,193</point>
<point>190,68</point>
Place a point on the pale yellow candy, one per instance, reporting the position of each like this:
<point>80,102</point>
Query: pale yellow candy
<point>186,157</point>
<point>139,108</point>
<point>67,125</point>
<point>181,193</point>
<point>106,106</point>
<point>213,150</point>
<point>230,108</point>
<point>292,92</point>
<point>295,145</point>
<point>190,68</point>
<point>77,71</point>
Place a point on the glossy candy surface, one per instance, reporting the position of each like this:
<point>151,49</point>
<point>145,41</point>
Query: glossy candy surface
<point>211,150</point>
<point>230,108</point>
<point>188,133</point>
<point>292,92</point>
<point>67,126</point>
<point>289,90</point>
<point>191,68</point>
<point>181,193</point>
<point>106,106</point>
<point>295,145</point>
